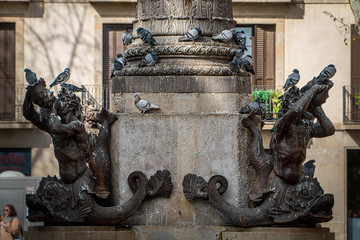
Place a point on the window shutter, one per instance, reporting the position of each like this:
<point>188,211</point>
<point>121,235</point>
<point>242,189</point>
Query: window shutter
<point>355,58</point>
<point>7,71</point>
<point>265,55</point>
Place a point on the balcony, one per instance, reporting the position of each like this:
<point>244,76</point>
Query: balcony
<point>270,96</point>
<point>351,101</point>
<point>94,98</point>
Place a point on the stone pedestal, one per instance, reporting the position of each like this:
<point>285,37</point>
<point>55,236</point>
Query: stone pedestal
<point>80,232</point>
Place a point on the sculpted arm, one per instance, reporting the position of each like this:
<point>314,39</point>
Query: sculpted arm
<point>323,127</point>
<point>56,127</point>
<point>32,115</point>
<point>296,110</point>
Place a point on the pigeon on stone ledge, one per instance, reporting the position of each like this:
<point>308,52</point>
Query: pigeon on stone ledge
<point>121,59</point>
<point>191,35</point>
<point>127,38</point>
<point>116,66</point>
<point>240,39</point>
<point>149,60</point>
<point>247,62</point>
<point>30,76</point>
<point>143,105</point>
<point>292,79</point>
<point>225,36</point>
<point>61,78</point>
<point>145,36</point>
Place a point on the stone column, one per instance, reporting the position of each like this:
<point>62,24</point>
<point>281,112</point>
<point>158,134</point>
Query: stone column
<point>198,129</point>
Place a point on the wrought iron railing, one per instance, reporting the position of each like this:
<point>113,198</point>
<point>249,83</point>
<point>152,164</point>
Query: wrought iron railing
<point>95,97</point>
<point>351,104</point>
<point>269,94</point>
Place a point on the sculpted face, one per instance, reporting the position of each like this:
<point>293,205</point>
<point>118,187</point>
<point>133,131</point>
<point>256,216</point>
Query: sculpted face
<point>41,95</point>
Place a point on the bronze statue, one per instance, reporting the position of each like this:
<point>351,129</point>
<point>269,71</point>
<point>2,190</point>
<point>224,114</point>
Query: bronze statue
<point>83,192</point>
<point>279,194</point>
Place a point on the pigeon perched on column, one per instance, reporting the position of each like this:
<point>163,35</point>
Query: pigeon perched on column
<point>149,60</point>
<point>116,66</point>
<point>121,59</point>
<point>247,63</point>
<point>191,35</point>
<point>240,39</point>
<point>61,78</point>
<point>30,76</point>
<point>225,36</point>
<point>292,79</point>
<point>127,38</point>
<point>145,36</point>
<point>143,105</point>
<point>234,66</point>
<point>72,88</point>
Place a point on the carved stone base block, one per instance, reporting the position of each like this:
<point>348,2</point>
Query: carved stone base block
<point>80,232</point>
<point>279,233</point>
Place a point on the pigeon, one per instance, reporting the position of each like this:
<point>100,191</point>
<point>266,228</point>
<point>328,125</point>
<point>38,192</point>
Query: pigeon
<point>259,108</point>
<point>61,78</point>
<point>191,35</point>
<point>121,59</point>
<point>240,39</point>
<point>247,62</point>
<point>234,66</point>
<point>30,76</point>
<point>143,105</point>
<point>116,66</point>
<point>308,169</point>
<point>327,73</point>
<point>72,88</point>
<point>149,60</point>
<point>145,36</point>
<point>292,79</point>
<point>127,38</point>
<point>225,36</point>
<point>323,78</point>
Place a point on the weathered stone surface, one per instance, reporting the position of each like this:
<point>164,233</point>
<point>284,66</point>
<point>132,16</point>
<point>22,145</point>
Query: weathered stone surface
<point>205,144</point>
<point>80,232</point>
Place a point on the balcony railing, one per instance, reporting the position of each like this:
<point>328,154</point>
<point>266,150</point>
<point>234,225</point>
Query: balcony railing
<point>270,96</point>
<point>95,97</point>
<point>351,102</point>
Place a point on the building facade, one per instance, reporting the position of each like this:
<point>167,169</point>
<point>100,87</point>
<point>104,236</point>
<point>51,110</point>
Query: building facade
<point>84,35</point>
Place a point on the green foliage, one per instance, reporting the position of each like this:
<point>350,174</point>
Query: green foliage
<point>357,99</point>
<point>271,99</point>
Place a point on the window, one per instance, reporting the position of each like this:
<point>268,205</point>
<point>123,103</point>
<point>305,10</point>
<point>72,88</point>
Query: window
<point>7,71</point>
<point>353,194</point>
<point>112,39</point>
<point>261,46</point>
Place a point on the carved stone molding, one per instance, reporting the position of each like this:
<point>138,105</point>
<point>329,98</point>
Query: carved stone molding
<point>170,69</point>
<point>181,50</point>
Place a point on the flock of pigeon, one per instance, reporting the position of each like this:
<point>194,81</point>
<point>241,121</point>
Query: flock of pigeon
<point>61,79</point>
<point>239,61</point>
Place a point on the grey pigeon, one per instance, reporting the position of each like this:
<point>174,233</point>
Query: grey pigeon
<point>240,39</point>
<point>327,73</point>
<point>258,107</point>
<point>323,78</point>
<point>308,169</point>
<point>61,78</point>
<point>121,59</point>
<point>116,66</point>
<point>72,88</point>
<point>127,38</point>
<point>149,60</point>
<point>143,105</point>
<point>145,36</point>
<point>191,35</point>
<point>292,79</point>
<point>30,76</point>
<point>234,66</point>
<point>225,36</point>
<point>247,63</point>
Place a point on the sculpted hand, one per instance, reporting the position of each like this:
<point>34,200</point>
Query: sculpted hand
<point>321,96</point>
